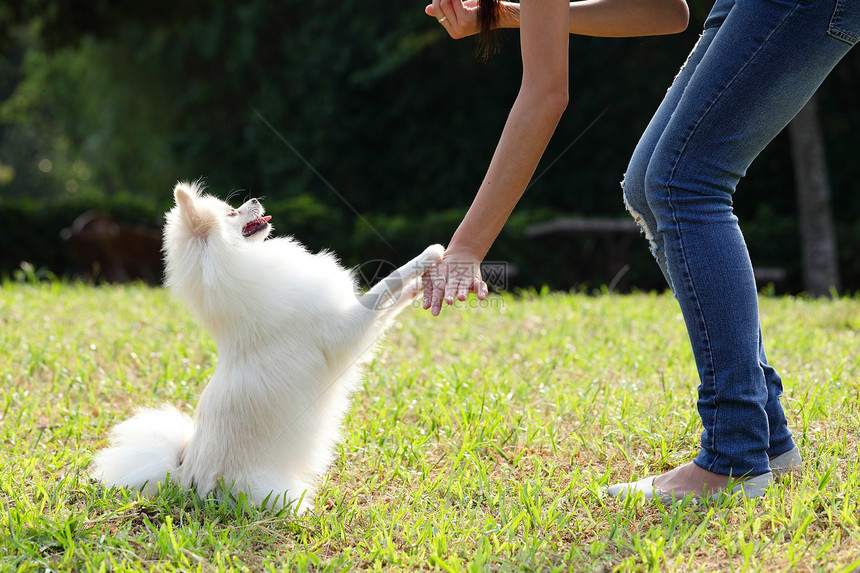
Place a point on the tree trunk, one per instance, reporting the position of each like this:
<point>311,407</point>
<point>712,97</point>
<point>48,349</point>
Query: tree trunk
<point>818,240</point>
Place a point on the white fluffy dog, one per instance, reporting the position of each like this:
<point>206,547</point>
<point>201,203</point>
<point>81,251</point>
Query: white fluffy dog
<point>292,336</point>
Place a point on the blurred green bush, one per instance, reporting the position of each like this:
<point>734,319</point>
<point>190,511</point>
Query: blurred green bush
<point>339,114</point>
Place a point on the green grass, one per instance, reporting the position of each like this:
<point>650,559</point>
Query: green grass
<point>480,441</point>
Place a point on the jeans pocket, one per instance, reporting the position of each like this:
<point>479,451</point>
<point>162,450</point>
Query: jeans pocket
<point>845,23</point>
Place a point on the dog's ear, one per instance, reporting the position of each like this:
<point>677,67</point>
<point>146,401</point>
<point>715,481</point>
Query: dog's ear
<point>197,218</point>
<point>184,195</point>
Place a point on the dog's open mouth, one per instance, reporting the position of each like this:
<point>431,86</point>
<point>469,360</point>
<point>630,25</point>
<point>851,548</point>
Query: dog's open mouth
<point>256,226</point>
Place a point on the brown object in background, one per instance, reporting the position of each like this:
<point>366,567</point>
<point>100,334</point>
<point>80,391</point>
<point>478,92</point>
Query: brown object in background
<point>112,251</point>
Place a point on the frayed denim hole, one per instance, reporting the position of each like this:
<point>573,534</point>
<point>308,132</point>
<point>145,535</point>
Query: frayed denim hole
<point>640,220</point>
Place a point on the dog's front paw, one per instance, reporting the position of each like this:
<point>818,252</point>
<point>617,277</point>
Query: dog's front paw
<point>422,263</point>
<point>433,253</point>
<point>414,287</point>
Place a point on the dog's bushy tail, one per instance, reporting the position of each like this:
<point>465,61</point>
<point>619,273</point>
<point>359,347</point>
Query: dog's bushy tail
<point>144,449</point>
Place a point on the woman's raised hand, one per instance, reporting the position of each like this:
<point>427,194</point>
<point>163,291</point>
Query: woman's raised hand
<point>458,17</point>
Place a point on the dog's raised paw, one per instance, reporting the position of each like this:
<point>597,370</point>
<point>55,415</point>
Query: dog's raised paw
<point>433,253</point>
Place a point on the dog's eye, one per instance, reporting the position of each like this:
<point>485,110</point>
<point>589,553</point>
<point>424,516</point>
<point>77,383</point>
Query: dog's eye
<point>232,213</point>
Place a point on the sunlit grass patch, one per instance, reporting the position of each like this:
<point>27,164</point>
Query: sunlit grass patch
<point>481,440</point>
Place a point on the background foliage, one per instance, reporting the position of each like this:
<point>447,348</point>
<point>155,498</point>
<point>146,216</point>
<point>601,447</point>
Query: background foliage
<point>328,109</point>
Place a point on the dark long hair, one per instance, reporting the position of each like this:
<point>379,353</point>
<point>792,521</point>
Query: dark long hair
<point>489,12</point>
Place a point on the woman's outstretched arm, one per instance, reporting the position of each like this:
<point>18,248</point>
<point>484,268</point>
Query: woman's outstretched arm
<point>541,101</point>
<point>606,18</point>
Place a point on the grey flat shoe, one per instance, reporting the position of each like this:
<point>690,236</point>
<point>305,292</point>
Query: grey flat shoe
<point>755,486</point>
<point>643,486</point>
<point>787,463</point>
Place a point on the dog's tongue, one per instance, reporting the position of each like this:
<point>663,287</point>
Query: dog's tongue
<point>255,225</point>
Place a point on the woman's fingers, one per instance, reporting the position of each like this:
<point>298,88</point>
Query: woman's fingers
<point>459,18</point>
<point>439,285</point>
<point>427,282</point>
<point>459,10</point>
<point>450,280</point>
<point>444,12</point>
<point>481,290</point>
<point>434,281</point>
<point>476,286</point>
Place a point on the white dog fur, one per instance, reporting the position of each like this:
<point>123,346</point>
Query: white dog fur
<point>292,337</point>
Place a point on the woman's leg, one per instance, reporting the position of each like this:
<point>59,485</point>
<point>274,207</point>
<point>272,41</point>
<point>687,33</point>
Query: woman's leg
<point>633,185</point>
<point>763,60</point>
<point>755,77</point>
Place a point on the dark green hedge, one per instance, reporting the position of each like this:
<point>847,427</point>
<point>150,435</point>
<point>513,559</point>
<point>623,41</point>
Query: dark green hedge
<point>31,232</point>
<point>399,119</point>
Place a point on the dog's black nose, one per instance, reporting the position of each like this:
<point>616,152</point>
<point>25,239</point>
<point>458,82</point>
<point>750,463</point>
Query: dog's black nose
<point>254,201</point>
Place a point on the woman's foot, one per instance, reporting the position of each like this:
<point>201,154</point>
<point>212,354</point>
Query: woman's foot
<point>689,479</point>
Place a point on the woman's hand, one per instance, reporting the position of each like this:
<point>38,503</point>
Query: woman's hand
<point>458,17</point>
<point>456,275</point>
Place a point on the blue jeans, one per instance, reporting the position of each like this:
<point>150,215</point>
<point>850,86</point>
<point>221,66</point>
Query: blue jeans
<point>756,65</point>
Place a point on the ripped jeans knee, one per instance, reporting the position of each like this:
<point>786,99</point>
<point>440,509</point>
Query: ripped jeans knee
<point>636,203</point>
